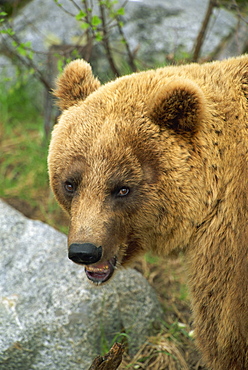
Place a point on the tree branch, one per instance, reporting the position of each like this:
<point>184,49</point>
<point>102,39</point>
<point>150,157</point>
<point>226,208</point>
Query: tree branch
<point>106,41</point>
<point>201,36</point>
<point>129,53</point>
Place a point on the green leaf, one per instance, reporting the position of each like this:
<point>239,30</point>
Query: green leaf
<point>8,31</point>
<point>85,25</point>
<point>80,15</point>
<point>60,65</point>
<point>3,14</point>
<point>21,50</point>
<point>120,11</point>
<point>30,55</point>
<point>27,44</point>
<point>95,21</point>
<point>98,36</point>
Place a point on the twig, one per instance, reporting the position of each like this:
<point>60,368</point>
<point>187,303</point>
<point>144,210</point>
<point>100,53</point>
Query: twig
<point>239,14</point>
<point>129,53</point>
<point>75,4</point>
<point>106,41</point>
<point>64,9</point>
<point>27,62</point>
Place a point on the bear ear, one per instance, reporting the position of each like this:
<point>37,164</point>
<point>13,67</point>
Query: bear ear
<point>75,84</point>
<point>178,105</point>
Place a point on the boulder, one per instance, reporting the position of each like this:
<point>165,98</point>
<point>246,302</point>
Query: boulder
<point>51,316</point>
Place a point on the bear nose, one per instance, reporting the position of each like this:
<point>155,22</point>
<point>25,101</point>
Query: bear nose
<point>85,253</point>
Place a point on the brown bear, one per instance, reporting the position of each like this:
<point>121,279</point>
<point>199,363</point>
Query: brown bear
<point>158,160</point>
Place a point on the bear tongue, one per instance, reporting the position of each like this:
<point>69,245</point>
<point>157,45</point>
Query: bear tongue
<point>101,272</point>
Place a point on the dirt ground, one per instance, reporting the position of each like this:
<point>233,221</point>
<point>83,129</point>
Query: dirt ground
<point>173,348</point>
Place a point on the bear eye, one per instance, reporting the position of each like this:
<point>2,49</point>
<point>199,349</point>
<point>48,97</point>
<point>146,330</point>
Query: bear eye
<point>70,187</point>
<point>123,191</point>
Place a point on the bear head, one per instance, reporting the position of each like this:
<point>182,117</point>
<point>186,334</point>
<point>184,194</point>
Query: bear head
<point>124,162</point>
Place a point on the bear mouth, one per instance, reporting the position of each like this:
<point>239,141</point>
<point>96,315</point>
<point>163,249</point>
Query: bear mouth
<point>101,272</point>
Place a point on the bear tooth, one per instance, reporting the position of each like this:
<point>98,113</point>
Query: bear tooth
<point>97,269</point>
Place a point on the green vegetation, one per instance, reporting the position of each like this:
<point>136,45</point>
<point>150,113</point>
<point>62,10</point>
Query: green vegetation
<point>117,338</point>
<point>23,167</point>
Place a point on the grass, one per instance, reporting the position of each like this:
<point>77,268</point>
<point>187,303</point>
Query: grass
<point>23,161</point>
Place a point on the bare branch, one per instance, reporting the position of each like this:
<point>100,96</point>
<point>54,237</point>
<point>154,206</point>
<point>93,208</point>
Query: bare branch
<point>201,36</point>
<point>75,4</point>
<point>129,53</point>
<point>27,62</point>
<point>106,40</point>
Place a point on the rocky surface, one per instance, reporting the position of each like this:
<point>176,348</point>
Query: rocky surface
<point>162,27</point>
<point>153,28</point>
<point>51,317</point>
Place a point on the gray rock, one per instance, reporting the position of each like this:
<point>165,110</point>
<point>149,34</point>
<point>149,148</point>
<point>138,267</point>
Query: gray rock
<point>162,27</point>
<point>51,316</point>
<point>154,28</point>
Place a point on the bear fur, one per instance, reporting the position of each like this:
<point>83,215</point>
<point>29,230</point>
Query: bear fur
<point>157,160</point>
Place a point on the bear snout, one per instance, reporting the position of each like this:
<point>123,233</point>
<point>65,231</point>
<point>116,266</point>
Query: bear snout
<point>85,254</point>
